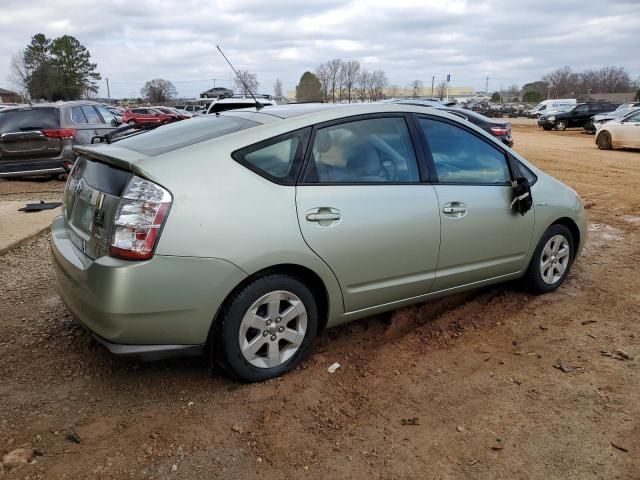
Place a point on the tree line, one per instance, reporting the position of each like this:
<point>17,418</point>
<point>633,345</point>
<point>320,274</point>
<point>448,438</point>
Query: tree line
<point>564,82</point>
<point>339,81</point>
<point>54,69</point>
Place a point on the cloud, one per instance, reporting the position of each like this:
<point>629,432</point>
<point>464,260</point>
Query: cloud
<point>511,43</point>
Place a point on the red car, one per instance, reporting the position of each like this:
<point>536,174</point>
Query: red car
<point>140,116</point>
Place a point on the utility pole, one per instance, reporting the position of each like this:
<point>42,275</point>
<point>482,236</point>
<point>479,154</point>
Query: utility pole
<point>108,91</point>
<point>433,79</point>
<point>486,86</point>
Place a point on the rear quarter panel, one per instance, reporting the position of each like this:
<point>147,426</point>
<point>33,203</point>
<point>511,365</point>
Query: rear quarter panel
<point>223,210</point>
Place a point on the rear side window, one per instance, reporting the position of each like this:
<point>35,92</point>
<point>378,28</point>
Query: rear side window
<point>277,159</point>
<point>183,134</point>
<point>461,157</point>
<point>25,119</point>
<point>91,114</point>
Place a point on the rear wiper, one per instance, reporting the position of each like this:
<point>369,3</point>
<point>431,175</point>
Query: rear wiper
<point>108,137</point>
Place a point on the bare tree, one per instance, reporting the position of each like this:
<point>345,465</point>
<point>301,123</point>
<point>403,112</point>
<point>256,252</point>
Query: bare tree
<point>441,89</point>
<point>363,85</point>
<point>158,90</point>
<point>322,72</point>
<point>561,81</point>
<point>333,70</point>
<point>350,72</point>
<point>19,74</point>
<point>377,85</point>
<point>249,79</point>
<point>277,88</point>
<point>416,88</point>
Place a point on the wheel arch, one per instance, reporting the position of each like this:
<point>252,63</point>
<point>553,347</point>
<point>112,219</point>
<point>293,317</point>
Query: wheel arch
<point>575,232</point>
<point>310,278</point>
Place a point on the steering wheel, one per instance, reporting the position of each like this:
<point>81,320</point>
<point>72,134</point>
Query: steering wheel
<point>388,169</point>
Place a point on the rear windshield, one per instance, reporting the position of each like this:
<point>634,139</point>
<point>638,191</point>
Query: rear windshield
<point>182,134</point>
<point>25,119</point>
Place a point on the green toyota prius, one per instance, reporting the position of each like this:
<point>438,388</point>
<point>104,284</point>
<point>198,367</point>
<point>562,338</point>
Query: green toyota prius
<point>244,234</point>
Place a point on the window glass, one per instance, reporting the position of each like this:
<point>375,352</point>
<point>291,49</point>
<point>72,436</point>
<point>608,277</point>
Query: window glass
<point>461,157</point>
<point>581,109</point>
<point>107,116</point>
<point>527,173</point>
<point>277,158</point>
<point>634,118</point>
<point>91,114</point>
<point>77,115</point>
<point>377,150</point>
<point>182,134</point>
<point>29,118</point>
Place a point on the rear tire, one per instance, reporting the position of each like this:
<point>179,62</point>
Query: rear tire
<point>551,261</point>
<point>604,141</point>
<point>561,125</point>
<point>266,329</point>
<point>132,123</point>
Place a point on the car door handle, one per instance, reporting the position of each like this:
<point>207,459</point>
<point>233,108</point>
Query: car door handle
<point>455,209</point>
<point>323,215</point>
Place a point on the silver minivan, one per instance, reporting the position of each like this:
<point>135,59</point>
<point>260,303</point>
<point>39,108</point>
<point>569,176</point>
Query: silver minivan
<point>244,234</point>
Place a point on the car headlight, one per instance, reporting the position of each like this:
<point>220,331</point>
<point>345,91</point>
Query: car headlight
<point>551,118</point>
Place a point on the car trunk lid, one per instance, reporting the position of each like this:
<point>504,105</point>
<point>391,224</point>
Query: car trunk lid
<point>91,199</point>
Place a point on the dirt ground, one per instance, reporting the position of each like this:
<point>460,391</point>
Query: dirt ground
<point>478,371</point>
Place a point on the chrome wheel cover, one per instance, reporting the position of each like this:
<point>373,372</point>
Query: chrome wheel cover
<point>272,329</point>
<point>554,260</point>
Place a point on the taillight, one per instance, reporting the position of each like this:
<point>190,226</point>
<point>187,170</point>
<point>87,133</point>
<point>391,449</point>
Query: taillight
<point>141,214</point>
<point>498,131</point>
<point>60,132</point>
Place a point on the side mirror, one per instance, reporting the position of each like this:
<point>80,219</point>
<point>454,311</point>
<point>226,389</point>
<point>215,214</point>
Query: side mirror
<point>522,200</point>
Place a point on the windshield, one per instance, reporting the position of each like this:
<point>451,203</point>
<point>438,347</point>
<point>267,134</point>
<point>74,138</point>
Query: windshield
<point>183,134</point>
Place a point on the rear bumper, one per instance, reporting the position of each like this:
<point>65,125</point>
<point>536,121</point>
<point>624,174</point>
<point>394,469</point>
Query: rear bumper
<point>150,352</point>
<point>25,168</point>
<point>157,307</point>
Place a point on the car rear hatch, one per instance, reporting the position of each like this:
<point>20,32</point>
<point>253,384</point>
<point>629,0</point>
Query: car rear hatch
<point>91,199</point>
<point>31,133</point>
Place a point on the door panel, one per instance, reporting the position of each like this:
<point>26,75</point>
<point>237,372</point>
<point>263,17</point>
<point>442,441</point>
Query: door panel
<point>488,241</point>
<point>381,241</point>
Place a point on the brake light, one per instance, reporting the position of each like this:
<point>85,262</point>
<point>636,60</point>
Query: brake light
<point>499,131</point>
<point>140,216</point>
<point>60,132</point>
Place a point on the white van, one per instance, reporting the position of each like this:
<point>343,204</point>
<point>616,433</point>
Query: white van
<point>554,105</point>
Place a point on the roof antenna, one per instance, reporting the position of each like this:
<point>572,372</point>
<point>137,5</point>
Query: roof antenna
<point>259,106</point>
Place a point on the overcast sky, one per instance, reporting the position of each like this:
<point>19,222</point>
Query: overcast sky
<point>513,41</point>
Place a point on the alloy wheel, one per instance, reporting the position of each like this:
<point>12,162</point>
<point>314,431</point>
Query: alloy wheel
<point>273,329</point>
<point>554,259</point>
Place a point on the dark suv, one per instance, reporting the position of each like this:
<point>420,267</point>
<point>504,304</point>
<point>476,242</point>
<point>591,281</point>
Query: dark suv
<point>578,116</point>
<point>38,139</point>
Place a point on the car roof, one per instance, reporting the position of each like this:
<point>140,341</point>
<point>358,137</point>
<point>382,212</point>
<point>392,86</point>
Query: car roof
<point>320,112</point>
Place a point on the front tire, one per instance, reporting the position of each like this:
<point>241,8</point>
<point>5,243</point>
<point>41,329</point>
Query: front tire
<point>132,123</point>
<point>266,329</point>
<point>604,141</point>
<point>551,260</point>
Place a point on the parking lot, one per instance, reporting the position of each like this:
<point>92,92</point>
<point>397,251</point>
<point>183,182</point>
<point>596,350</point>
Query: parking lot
<point>490,384</point>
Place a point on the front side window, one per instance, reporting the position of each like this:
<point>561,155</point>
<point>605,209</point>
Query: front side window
<point>581,109</point>
<point>91,114</point>
<point>277,159</point>
<point>461,157</point>
<point>107,116</point>
<point>633,118</point>
<point>377,150</point>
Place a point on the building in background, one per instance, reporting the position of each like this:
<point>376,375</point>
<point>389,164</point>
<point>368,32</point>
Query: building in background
<point>7,96</point>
